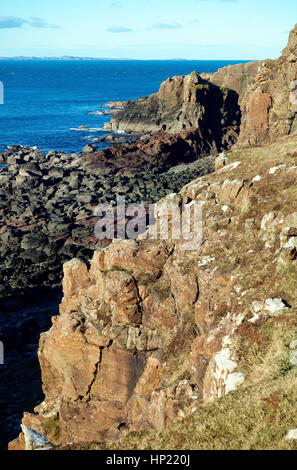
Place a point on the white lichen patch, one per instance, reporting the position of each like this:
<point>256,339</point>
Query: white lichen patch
<point>234,381</point>
<point>273,170</point>
<point>274,306</point>
<point>230,167</point>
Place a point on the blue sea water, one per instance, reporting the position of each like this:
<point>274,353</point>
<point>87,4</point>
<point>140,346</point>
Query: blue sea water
<point>44,101</point>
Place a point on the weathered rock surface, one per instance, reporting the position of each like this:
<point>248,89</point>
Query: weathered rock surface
<point>149,330</point>
<point>235,77</point>
<point>54,196</point>
<point>107,361</point>
<point>158,152</point>
<point>269,107</point>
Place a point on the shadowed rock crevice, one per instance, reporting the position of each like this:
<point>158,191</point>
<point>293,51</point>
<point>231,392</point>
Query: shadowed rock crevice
<point>96,371</point>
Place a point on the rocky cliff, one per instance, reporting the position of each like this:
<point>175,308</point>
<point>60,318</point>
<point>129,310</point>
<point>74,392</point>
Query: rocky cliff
<point>183,102</point>
<point>265,90</point>
<point>269,107</point>
<point>57,193</point>
<point>150,331</point>
<point>235,77</point>
<point>150,335</point>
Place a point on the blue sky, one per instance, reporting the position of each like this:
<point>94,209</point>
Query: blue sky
<point>147,29</point>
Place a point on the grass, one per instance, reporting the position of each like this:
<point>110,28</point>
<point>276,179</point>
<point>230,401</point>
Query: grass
<point>162,290</point>
<point>253,418</point>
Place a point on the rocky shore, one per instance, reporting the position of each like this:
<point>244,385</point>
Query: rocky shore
<point>149,334</point>
<point>47,205</point>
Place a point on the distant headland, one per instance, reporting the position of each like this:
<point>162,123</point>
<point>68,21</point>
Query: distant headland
<point>75,58</point>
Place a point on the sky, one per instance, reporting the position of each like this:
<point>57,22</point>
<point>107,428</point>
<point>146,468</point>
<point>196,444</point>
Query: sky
<point>147,29</point>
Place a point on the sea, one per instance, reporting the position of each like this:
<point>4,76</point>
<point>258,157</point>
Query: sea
<point>47,101</point>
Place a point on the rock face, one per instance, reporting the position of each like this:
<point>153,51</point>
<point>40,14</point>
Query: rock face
<point>183,102</point>
<point>235,77</point>
<point>101,360</point>
<point>269,107</point>
<point>47,202</point>
<point>265,90</point>
<point>149,331</point>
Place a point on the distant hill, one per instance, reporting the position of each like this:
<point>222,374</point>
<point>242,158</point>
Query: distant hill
<point>60,58</point>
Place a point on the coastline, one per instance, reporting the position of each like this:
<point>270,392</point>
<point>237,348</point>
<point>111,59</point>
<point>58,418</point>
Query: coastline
<point>42,116</point>
<point>125,305</point>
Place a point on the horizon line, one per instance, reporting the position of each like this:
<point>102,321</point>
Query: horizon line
<point>113,58</point>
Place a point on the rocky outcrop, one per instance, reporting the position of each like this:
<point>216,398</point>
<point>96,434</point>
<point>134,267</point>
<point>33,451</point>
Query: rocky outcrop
<point>267,95</point>
<point>118,357</point>
<point>149,331</point>
<point>265,90</point>
<point>104,366</point>
<point>55,195</point>
<point>269,107</point>
<point>182,103</point>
